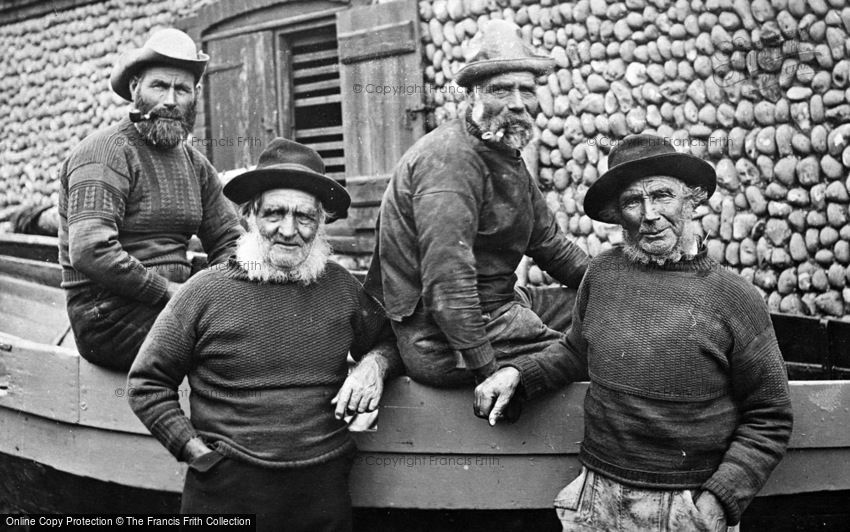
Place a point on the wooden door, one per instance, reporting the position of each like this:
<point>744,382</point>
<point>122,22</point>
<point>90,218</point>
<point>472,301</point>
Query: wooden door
<point>241,100</point>
<point>382,103</point>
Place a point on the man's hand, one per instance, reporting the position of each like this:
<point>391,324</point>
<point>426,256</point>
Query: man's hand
<point>709,505</point>
<point>194,448</point>
<point>492,396</point>
<point>172,289</point>
<point>361,391</point>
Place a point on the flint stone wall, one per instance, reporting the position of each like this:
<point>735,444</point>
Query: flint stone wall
<point>759,89</point>
<point>54,86</point>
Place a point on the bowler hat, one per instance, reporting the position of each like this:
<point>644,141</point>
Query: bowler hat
<point>639,156</point>
<point>287,164</point>
<point>499,48</point>
<point>169,47</point>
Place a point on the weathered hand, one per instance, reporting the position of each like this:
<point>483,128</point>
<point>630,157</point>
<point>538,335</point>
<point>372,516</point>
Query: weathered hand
<point>492,396</point>
<point>361,391</point>
<point>709,505</point>
<point>194,448</point>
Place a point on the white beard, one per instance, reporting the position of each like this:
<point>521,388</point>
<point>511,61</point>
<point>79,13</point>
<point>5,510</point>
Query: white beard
<point>252,254</point>
<point>686,248</point>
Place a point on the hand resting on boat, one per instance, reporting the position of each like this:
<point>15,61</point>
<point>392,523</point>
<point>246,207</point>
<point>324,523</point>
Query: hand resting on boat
<point>361,392</point>
<point>493,395</point>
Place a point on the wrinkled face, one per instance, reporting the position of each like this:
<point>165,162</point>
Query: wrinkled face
<point>655,211</point>
<point>288,220</point>
<point>502,105</point>
<point>169,93</point>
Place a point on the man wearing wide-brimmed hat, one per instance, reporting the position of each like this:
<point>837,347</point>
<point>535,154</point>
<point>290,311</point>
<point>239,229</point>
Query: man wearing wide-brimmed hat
<point>688,410</point>
<point>132,195</point>
<point>264,341</point>
<point>460,212</point>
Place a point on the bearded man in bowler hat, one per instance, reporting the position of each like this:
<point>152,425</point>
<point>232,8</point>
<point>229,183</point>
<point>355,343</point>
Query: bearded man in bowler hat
<point>688,411</point>
<point>460,212</point>
<point>132,195</point>
<point>264,341</point>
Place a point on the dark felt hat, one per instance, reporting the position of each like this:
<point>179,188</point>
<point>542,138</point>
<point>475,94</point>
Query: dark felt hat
<point>170,47</point>
<point>287,164</point>
<point>639,156</point>
<point>497,49</point>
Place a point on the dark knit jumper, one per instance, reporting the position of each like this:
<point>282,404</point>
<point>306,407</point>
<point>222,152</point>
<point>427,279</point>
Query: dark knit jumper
<point>128,209</point>
<point>687,385</point>
<point>263,361</point>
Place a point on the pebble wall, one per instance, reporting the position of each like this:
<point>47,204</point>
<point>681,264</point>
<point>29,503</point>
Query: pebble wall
<point>760,89</point>
<point>54,86</point>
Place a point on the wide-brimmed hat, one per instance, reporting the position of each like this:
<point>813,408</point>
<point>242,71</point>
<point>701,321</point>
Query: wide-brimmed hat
<point>287,164</point>
<point>169,47</point>
<point>639,156</point>
<point>499,48</point>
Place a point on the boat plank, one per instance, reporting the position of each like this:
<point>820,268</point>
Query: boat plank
<point>39,379</point>
<point>380,480</point>
<point>103,400</point>
<point>120,457</point>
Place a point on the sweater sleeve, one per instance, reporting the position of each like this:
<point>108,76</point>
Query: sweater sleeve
<point>97,196</point>
<point>373,334</point>
<point>446,207</point>
<point>163,361</point>
<point>220,228</point>
<point>760,387</point>
<point>550,248</point>
<point>562,362</point>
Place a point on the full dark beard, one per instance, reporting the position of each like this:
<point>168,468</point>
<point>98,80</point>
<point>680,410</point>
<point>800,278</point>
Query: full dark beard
<point>168,128</point>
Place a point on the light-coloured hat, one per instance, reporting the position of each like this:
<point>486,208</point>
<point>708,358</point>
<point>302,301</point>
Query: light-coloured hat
<point>169,46</point>
<point>499,48</point>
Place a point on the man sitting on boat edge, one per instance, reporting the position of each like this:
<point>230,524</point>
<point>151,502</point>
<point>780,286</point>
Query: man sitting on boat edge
<point>460,212</point>
<point>264,341</point>
<point>688,410</point>
<point>132,195</point>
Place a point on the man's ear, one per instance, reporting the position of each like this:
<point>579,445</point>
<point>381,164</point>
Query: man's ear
<point>134,82</point>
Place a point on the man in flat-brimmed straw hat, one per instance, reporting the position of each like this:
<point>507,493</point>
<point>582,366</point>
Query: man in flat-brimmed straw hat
<point>264,340</point>
<point>460,212</point>
<point>131,197</point>
<point>688,410</point>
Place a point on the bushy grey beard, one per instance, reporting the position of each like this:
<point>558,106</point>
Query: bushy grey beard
<point>508,128</point>
<point>252,254</point>
<point>684,249</point>
<point>160,131</point>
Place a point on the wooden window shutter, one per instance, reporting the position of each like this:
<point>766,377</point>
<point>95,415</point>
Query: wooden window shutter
<point>241,100</point>
<point>379,52</point>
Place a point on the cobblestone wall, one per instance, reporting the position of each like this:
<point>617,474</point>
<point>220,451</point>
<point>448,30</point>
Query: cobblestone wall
<point>760,89</point>
<point>54,86</point>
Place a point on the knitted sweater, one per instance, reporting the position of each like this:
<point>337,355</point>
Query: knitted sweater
<point>456,219</point>
<point>687,385</point>
<point>128,209</point>
<point>263,361</point>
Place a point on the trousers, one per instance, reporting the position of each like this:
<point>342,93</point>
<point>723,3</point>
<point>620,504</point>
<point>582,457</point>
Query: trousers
<point>595,503</point>
<point>314,498</point>
<point>108,328</point>
<point>536,318</point>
